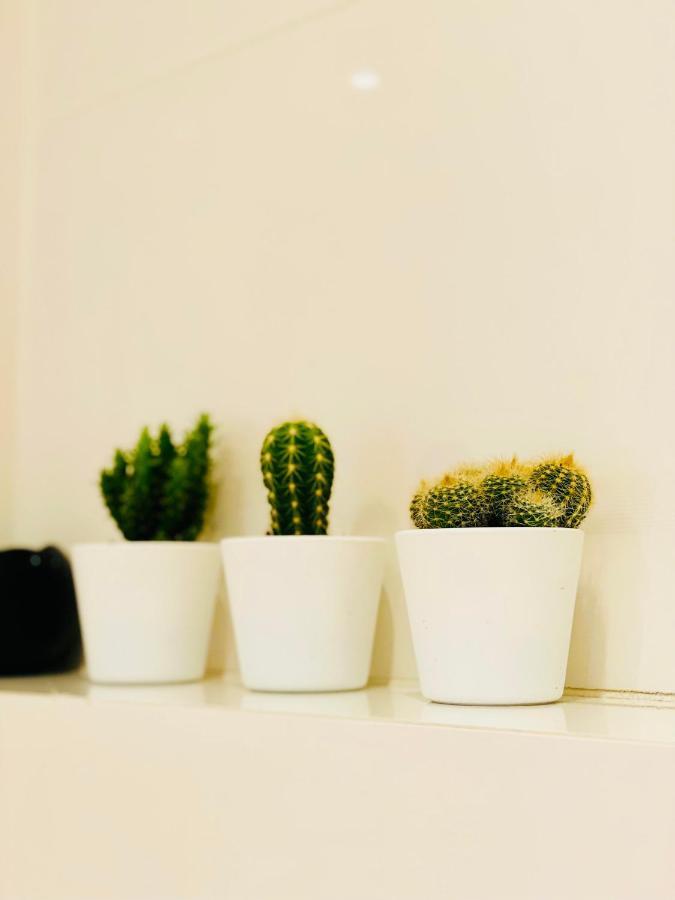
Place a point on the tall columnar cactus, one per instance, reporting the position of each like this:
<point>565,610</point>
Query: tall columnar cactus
<point>532,509</point>
<point>159,491</point>
<point>297,465</point>
<point>502,482</point>
<point>567,484</point>
<point>454,502</point>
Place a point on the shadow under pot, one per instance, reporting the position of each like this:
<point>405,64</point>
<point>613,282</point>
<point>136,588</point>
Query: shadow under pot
<point>304,609</point>
<point>146,609</point>
<point>491,611</point>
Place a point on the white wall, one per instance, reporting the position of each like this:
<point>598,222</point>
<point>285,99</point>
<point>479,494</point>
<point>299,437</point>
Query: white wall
<point>473,259</point>
<point>14,56</point>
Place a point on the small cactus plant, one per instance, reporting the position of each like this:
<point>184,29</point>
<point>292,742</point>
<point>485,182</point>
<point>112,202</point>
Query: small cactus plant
<point>567,484</point>
<point>159,491</point>
<point>530,508</point>
<point>455,502</point>
<point>552,493</point>
<point>297,465</point>
<point>501,483</point>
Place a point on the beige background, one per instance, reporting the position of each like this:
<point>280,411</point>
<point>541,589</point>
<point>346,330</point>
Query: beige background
<point>475,258</point>
<point>13,122</point>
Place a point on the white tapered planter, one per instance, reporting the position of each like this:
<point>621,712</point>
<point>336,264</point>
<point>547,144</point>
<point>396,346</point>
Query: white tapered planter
<point>304,609</point>
<point>146,609</point>
<point>491,611</point>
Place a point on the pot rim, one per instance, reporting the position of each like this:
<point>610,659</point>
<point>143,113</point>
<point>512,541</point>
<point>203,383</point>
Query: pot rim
<point>143,544</point>
<point>303,538</point>
<point>497,529</point>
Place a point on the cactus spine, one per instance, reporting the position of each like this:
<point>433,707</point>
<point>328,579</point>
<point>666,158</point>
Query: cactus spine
<point>568,485</point>
<point>158,491</point>
<point>297,465</point>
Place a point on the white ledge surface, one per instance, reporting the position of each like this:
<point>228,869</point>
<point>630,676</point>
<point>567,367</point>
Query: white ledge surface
<point>623,718</point>
<point>207,791</point>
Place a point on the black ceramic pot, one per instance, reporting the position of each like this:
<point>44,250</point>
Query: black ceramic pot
<point>39,628</point>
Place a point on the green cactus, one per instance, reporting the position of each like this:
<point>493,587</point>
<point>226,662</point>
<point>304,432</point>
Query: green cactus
<point>159,491</point>
<point>533,509</point>
<point>501,484</point>
<point>454,502</point>
<point>568,485</point>
<point>297,465</point>
<point>554,493</point>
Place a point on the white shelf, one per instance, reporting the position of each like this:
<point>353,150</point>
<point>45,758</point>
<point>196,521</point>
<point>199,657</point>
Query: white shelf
<point>207,791</point>
<point>626,718</point>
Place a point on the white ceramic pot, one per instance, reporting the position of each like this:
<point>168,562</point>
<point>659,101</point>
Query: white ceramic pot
<point>146,609</point>
<point>491,610</point>
<point>304,609</point>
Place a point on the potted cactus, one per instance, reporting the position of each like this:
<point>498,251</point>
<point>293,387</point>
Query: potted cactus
<point>490,575</point>
<point>303,603</point>
<point>146,604</point>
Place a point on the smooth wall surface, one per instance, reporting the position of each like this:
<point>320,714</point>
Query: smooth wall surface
<point>14,58</point>
<point>444,231</point>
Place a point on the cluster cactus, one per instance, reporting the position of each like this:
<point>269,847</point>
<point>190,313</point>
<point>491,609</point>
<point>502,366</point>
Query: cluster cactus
<point>508,493</point>
<point>297,465</point>
<point>159,491</point>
